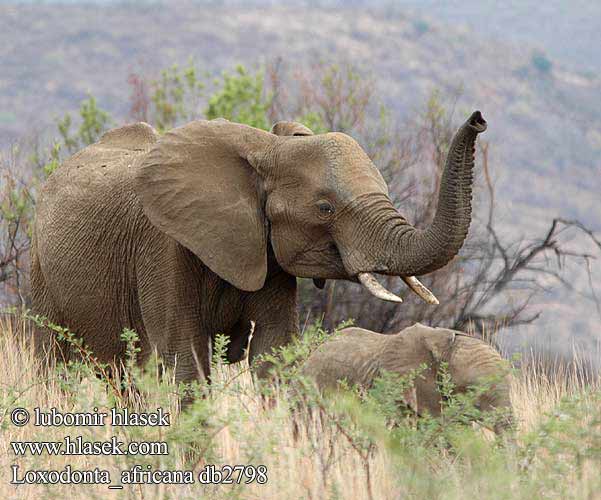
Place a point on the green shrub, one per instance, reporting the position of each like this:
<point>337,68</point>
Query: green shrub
<point>421,26</point>
<point>241,98</point>
<point>541,63</point>
<point>94,121</point>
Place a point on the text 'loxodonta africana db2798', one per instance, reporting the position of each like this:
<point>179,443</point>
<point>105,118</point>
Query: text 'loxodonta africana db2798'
<point>205,229</point>
<point>360,356</point>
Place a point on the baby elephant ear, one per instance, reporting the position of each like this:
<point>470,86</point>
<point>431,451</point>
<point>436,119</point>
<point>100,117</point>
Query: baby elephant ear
<point>197,184</point>
<point>290,128</point>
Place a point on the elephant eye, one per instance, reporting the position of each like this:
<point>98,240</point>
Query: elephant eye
<point>325,208</point>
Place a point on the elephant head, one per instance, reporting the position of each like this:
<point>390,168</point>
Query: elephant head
<point>228,191</point>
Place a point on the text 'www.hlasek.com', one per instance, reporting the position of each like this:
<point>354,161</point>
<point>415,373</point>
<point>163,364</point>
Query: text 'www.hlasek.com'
<point>79,445</point>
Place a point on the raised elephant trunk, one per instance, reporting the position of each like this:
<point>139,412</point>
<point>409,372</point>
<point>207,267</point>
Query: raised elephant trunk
<point>410,251</point>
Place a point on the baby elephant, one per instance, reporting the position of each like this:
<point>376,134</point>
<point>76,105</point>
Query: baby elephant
<point>359,356</point>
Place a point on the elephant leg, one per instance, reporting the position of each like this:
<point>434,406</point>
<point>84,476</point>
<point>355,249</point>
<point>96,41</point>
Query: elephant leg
<point>273,309</point>
<point>190,366</point>
<point>179,340</point>
<point>44,341</point>
<point>169,298</point>
<point>239,336</point>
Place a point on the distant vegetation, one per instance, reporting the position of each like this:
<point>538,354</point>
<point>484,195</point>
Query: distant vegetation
<point>541,62</point>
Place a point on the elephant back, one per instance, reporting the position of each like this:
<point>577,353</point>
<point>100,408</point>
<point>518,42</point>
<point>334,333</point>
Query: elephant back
<point>80,202</point>
<point>134,137</point>
<point>349,355</point>
<point>99,165</point>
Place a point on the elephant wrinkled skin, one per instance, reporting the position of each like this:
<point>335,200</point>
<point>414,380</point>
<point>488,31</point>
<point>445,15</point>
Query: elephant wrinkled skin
<point>204,229</point>
<point>360,356</point>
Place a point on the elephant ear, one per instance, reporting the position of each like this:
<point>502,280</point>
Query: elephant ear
<point>290,128</point>
<point>198,186</point>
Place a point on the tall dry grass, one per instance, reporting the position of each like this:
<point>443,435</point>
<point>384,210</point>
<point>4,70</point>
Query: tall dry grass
<point>555,454</point>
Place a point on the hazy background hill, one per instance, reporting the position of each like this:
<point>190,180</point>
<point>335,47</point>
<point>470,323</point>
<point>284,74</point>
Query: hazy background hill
<point>565,29</point>
<point>530,67</point>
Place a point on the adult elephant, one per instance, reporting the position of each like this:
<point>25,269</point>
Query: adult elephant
<point>205,229</point>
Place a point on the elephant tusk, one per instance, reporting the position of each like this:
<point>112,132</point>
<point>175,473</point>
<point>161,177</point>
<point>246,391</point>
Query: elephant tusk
<point>369,281</point>
<point>418,287</point>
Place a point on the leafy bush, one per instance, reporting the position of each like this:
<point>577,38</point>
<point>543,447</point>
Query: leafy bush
<point>421,26</point>
<point>241,98</point>
<point>541,63</point>
<point>94,121</point>
<point>175,97</point>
